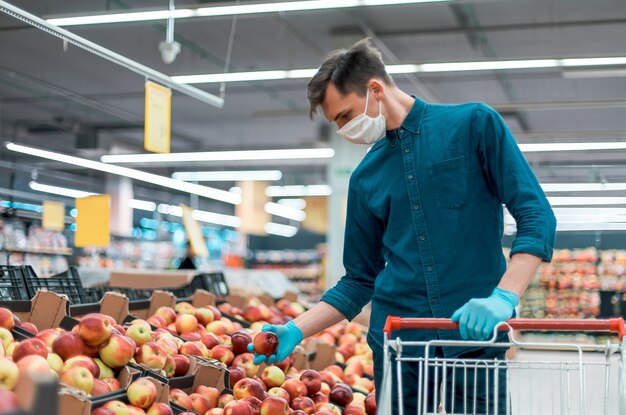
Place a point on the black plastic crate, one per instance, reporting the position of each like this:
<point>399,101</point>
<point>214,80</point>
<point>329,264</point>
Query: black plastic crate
<point>68,283</point>
<point>13,283</point>
<point>95,294</point>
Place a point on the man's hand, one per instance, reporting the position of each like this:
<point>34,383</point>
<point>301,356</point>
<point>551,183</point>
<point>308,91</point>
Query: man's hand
<point>289,336</point>
<point>479,316</point>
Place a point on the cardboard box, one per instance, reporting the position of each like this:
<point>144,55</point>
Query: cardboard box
<point>319,354</point>
<point>152,279</point>
<point>148,308</point>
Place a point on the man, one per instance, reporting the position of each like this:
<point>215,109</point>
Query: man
<point>425,220</point>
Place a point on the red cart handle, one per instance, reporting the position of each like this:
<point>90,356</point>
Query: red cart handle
<point>613,325</point>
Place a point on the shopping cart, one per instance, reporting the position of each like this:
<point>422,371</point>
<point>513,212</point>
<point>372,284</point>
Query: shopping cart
<point>543,378</point>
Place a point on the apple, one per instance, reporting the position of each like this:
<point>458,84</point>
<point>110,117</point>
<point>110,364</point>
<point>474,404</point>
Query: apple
<point>139,333</point>
<point>246,361</point>
<point>113,383</point>
<point>238,408</point>
<point>151,355</point>
<point>6,337</point>
<point>274,405</point>
<point>225,340</point>
<point>312,380</point>
<point>223,354</point>
<point>217,327</point>
<point>212,394</point>
<point>156,321</point>
<point>354,410</point>
<point>100,387</point>
<point>265,343</point>
<point>118,329</point>
<point>341,394</point>
<point>9,373</point>
<point>204,315</point>
<point>34,364</point>
<point>169,345</point>
<point>8,402</point>
<point>280,392</point>
<point>82,361</point>
<point>319,398</point>
<point>94,329</point>
<point>193,336</point>
<point>105,371</point>
<point>248,387</point>
<point>167,313</point>
<point>195,348</point>
<point>29,347</point>
<point>103,411</point>
<point>118,407</point>
<point>235,374</point>
<point>182,364</point>
<point>370,404</point>
<point>199,403</point>
<point>79,378</point>
<point>30,327</point>
<point>225,399</point>
<point>179,397</point>
<point>184,308</point>
<point>68,345</point>
<point>328,408</point>
<point>48,336</point>
<point>272,376</point>
<point>141,393</point>
<point>304,403</point>
<point>169,367</point>
<point>186,323</point>
<point>252,314</point>
<point>7,320</point>
<point>295,388</point>
<point>210,340</point>
<point>325,389</point>
<point>134,410</point>
<point>117,351</point>
<point>328,378</point>
<point>160,409</point>
<point>255,404</point>
<point>91,351</point>
<point>240,340</point>
<point>299,412</point>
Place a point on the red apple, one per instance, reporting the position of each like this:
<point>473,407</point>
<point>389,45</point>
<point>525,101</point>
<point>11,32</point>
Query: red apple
<point>82,361</point>
<point>117,351</point>
<point>186,323</point>
<point>157,321</point>
<point>91,351</point>
<point>341,394</point>
<point>34,364</point>
<point>68,345</point>
<point>103,411</point>
<point>295,388</point>
<point>9,373</point>
<point>353,410</point>
<point>204,315</point>
<point>305,404</point>
<point>30,327</point>
<point>274,405</point>
<point>79,378</point>
<point>193,336</point>
<point>223,354</point>
<point>238,408</point>
<point>312,380</point>
<point>325,389</point>
<point>167,313</point>
<point>272,376</point>
<point>100,387</point>
<point>241,339</point>
<point>151,355</point>
<point>182,364</point>
<point>248,387</point>
<point>160,409</point>
<point>141,393</point>
<point>134,410</point>
<point>215,411</point>
<point>217,327</point>
<point>328,378</point>
<point>8,402</point>
<point>194,348</point>
<point>298,412</point>
<point>199,403</point>
<point>118,329</point>
<point>113,383</point>
<point>319,398</point>
<point>94,329</point>
<point>210,340</point>
<point>179,397</point>
<point>265,343</point>
<point>370,404</point>
<point>169,367</point>
<point>29,347</point>
<point>225,340</point>
<point>7,320</point>
<point>252,314</point>
<point>235,374</point>
<point>212,394</point>
<point>255,404</point>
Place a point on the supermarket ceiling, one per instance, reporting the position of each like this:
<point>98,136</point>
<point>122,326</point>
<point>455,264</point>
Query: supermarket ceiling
<point>56,97</point>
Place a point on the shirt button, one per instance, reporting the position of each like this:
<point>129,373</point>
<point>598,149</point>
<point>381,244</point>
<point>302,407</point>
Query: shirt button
<point>407,150</point>
<point>410,177</point>
<point>416,207</point>
<point>422,238</point>
<point>401,130</point>
<point>429,269</point>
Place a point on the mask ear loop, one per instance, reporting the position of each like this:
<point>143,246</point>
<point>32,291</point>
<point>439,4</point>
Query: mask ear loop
<point>367,97</point>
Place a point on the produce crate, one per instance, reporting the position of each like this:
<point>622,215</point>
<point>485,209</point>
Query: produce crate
<point>67,283</point>
<point>95,294</point>
<point>13,284</point>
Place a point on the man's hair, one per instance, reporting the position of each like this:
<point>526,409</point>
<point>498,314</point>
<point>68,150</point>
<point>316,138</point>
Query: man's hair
<point>349,70</point>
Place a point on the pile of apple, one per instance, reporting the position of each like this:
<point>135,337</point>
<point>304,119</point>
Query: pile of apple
<point>258,313</point>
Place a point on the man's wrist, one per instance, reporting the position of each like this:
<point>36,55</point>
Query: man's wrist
<point>509,296</point>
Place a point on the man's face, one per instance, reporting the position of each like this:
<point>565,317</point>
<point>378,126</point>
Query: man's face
<point>340,109</point>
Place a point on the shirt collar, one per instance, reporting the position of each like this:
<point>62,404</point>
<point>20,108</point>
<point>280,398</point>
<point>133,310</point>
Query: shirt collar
<point>411,123</point>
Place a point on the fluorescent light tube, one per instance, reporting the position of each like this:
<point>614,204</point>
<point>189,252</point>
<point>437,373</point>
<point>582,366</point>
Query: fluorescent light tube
<point>228,176</point>
<point>142,205</point>
<point>586,201</point>
<point>285,154</point>
<point>285,211</point>
<point>217,218</point>
<point>582,187</point>
<point>192,188</point>
<point>294,203</point>
<point>298,191</point>
<point>281,230</point>
<point>548,147</point>
<point>61,191</point>
<point>288,6</point>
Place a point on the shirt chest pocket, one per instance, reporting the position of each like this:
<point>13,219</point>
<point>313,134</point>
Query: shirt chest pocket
<point>450,179</point>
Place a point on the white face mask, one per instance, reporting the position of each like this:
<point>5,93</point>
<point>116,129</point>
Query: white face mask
<point>364,129</point>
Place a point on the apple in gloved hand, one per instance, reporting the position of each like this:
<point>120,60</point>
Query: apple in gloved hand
<point>265,343</point>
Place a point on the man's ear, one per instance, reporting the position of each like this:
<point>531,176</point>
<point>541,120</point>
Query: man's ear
<point>377,88</point>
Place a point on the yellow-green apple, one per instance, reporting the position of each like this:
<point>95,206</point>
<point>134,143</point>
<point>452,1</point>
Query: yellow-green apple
<point>151,355</point>
<point>280,392</point>
<point>105,371</point>
<point>79,378</point>
<point>312,380</point>
<point>223,354</point>
<point>217,327</point>
<point>274,405</point>
<point>55,362</point>
<point>100,387</point>
<point>212,394</point>
<point>248,387</point>
<point>141,322</point>
<point>272,376</point>
<point>48,336</point>
<point>184,308</point>
<point>117,351</point>
<point>196,348</point>
<point>29,347</point>
<point>238,408</point>
<point>169,367</point>
<point>182,364</point>
<point>235,374</point>
<point>142,393</point>
<point>167,313</point>
<point>179,397</point>
<point>113,383</point>
<point>341,394</point>
<point>225,399</point>
<point>9,373</point>
<point>265,343</point>
<point>246,361</point>
<point>160,409</point>
<point>82,361</point>
<point>186,323</point>
<point>94,329</point>
<point>6,337</point>
<point>8,402</point>
<point>118,407</point>
<point>295,388</point>
<point>370,404</point>
<point>68,345</point>
<point>241,339</point>
<point>140,333</point>
<point>204,315</point>
<point>199,403</point>
<point>7,320</point>
<point>304,403</point>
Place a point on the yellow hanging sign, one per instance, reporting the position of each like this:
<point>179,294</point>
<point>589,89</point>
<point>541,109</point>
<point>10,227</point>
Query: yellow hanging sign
<point>194,233</point>
<point>158,118</point>
<point>53,217</point>
<point>93,221</point>
<point>251,210</point>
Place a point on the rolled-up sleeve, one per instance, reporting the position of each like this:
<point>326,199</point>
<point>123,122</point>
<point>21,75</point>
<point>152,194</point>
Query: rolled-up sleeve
<point>362,258</point>
<point>515,184</point>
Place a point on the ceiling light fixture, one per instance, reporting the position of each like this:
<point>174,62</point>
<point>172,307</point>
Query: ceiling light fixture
<point>284,154</point>
<point>288,6</point>
<point>294,203</point>
<point>285,211</point>
<point>61,191</point>
<point>142,205</point>
<point>582,187</point>
<point>548,147</point>
<point>201,215</point>
<point>281,230</point>
<point>298,191</point>
<point>192,188</point>
<point>228,176</point>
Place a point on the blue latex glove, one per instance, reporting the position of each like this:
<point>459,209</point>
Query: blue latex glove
<point>289,336</point>
<point>479,316</point>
